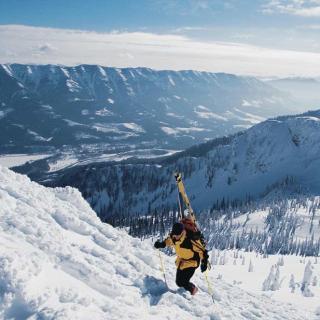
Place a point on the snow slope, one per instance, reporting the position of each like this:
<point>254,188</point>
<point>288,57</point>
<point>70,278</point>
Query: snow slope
<point>233,267</point>
<point>58,261</point>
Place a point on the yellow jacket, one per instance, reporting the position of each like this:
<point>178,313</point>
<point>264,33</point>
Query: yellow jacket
<point>189,252</point>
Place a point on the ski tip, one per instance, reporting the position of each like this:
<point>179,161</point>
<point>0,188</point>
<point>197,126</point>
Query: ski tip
<point>177,175</point>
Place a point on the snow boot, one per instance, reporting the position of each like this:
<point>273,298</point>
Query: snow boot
<point>194,290</point>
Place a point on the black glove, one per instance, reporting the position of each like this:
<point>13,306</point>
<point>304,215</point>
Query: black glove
<point>204,265</point>
<point>204,262</point>
<point>159,244</point>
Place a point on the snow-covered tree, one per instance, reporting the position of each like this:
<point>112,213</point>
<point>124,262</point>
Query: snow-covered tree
<point>276,280</point>
<point>250,267</point>
<point>267,283</point>
<point>214,257</point>
<point>315,281</point>
<point>272,282</point>
<point>281,261</point>
<point>292,283</point>
<point>225,257</point>
<point>306,281</point>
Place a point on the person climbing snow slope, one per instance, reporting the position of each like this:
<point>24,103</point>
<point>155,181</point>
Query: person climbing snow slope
<point>190,252</point>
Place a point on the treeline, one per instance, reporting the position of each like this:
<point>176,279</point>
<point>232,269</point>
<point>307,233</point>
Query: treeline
<point>223,231</point>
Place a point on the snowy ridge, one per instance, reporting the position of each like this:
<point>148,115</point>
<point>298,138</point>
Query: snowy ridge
<point>253,163</point>
<point>58,261</point>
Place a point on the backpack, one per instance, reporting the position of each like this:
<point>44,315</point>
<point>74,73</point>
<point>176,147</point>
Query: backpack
<point>189,224</point>
<point>192,229</point>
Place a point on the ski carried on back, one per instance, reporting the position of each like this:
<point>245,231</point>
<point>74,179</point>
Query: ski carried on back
<point>186,213</point>
<point>183,198</point>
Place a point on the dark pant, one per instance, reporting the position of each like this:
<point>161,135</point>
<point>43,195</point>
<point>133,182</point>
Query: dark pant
<point>183,278</point>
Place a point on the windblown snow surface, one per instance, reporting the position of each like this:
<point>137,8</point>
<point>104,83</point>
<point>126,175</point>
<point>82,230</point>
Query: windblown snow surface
<point>58,261</point>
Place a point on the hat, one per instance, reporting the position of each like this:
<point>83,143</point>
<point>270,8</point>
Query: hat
<point>177,228</point>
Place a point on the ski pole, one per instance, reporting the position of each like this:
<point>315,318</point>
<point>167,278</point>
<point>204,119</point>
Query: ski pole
<point>209,285</point>
<point>162,269</point>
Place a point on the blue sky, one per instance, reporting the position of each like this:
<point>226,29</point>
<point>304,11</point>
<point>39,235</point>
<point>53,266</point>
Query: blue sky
<point>281,26</point>
<point>151,15</point>
<point>103,15</point>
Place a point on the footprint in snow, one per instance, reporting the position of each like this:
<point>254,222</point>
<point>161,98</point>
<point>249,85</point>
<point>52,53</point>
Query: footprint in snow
<point>154,289</point>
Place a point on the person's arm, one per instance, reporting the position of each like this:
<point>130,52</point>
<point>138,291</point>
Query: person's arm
<point>168,241</point>
<point>198,247</point>
<point>203,254</point>
<point>162,244</point>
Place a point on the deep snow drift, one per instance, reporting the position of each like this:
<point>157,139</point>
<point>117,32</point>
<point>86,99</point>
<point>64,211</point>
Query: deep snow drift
<point>58,261</point>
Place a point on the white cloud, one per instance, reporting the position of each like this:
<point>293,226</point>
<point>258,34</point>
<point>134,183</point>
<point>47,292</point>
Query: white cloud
<point>186,29</point>
<point>305,8</point>
<point>243,36</point>
<point>36,45</point>
<point>310,27</point>
<point>194,7</point>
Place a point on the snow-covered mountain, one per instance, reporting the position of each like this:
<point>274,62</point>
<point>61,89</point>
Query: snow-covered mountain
<point>279,153</point>
<point>100,110</point>
<point>58,261</point>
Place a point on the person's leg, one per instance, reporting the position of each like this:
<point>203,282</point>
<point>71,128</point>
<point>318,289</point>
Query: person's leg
<point>183,278</point>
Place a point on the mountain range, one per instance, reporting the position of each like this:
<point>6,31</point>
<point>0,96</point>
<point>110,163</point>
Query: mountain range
<point>98,110</point>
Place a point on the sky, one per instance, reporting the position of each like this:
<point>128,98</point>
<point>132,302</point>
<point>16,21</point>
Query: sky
<point>267,38</point>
